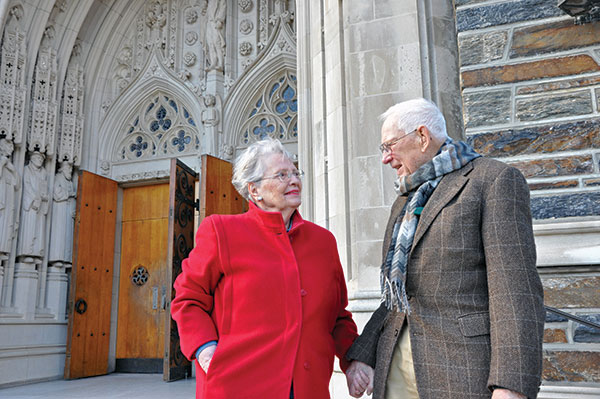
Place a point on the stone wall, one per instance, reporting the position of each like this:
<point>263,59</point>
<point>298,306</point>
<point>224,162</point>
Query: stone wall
<point>530,81</point>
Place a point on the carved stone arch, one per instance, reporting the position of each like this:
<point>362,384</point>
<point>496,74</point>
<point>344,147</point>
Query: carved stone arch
<point>154,80</point>
<point>276,62</point>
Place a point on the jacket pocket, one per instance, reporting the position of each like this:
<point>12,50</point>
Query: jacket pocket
<point>474,324</point>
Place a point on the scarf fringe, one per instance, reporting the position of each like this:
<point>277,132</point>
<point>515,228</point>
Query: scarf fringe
<point>395,297</point>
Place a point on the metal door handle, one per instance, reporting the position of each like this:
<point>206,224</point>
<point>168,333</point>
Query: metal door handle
<point>154,297</point>
<point>80,306</point>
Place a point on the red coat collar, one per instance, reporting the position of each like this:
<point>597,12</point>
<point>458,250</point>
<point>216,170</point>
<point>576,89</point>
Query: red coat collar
<point>273,220</point>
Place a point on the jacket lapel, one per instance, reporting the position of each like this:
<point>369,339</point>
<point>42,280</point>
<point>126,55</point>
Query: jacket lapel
<point>449,186</point>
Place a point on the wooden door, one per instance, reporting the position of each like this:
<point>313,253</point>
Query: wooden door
<point>143,279</point>
<point>217,195</point>
<point>180,242</point>
<point>91,277</point>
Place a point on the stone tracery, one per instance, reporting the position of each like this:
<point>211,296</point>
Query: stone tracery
<point>162,126</point>
<point>274,112</point>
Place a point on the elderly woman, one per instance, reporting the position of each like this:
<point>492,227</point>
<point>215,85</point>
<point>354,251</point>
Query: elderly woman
<point>261,299</point>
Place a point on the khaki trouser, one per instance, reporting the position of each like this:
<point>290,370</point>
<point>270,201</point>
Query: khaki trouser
<point>401,382</point>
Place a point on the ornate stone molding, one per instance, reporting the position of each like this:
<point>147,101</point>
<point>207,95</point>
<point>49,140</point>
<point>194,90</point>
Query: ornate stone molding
<point>13,89</point>
<point>246,26</point>
<point>45,107</point>
<point>149,175</point>
<point>246,5</point>
<point>70,138</point>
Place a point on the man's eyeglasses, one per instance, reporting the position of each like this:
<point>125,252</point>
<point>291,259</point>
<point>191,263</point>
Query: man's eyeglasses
<point>387,146</point>
<point>284,176</point>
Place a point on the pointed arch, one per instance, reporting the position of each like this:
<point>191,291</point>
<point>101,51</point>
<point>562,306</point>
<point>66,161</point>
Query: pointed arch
<point>166,106</point>
<point>266,79</point>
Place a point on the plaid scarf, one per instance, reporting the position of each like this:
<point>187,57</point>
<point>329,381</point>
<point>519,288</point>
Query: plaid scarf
<point>419,186</point>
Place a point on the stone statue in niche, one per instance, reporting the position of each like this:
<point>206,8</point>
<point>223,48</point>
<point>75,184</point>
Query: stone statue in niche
<point>213,35</point>
<point>34,208</point>
<point>210,114</point>
<point>9,184</point>
<point>63,217</point>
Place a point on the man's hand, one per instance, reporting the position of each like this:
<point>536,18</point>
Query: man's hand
<point>206,356</point>
<point>501,393</point>
<point>359,377</point>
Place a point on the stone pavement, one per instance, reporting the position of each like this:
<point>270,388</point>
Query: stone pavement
<point>116,385</point>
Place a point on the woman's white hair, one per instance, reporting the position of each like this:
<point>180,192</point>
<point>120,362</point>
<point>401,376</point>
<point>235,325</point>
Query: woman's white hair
<point>249,166</point>
<point>409,115</point>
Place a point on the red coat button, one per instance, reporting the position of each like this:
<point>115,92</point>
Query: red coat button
<point>302,292</point>
<point>307,365</point>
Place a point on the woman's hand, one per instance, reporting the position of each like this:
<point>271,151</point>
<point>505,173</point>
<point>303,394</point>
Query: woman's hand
<point>205,357</point>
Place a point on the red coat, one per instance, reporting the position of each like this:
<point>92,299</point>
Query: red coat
<point>275,301</point>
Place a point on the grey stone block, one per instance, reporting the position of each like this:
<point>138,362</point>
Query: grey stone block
<point>566,205</point>
<point>369,223</point>
<point>384,33</point>
<point>505,13</point>
<point>459,3</point>
<point>554,106</point>
<point>365,125</point>
<point>388,8</point>
<point>365,178</point>
<point>357,11</point>
<point>587,334</point>
<point>554,318</point>
<point>482,48</point>
<point>542,139</point>
<point>487,108</point>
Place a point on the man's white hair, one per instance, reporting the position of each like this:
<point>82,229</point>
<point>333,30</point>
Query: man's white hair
<point>249,166</point>
<point>409,115</point>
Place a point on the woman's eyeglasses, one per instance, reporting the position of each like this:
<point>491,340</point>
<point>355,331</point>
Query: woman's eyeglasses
<point>285,176</point>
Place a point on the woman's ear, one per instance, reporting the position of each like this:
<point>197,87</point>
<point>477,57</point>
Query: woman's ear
<point>253,190</point>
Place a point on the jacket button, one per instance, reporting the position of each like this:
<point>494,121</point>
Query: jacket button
<point>307,365</point>
<point>396,332</point>
<point>302,292</point>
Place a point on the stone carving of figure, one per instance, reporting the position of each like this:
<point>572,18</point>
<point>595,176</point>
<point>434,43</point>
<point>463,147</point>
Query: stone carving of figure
<point>63,216</point>
<point>210,115</point>
<point>214,38</point>
<point>156,16</point>
<point>9,184</point>
<point>34,208</point>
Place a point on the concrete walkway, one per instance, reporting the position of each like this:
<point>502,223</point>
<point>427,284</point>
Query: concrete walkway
<point>116,385</point>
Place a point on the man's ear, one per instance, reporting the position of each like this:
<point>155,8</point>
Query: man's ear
<point>424,137</point>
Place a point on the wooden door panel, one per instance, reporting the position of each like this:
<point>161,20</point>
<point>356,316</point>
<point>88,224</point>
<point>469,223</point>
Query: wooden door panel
<point>181,241</point>
<point>91,279</point>
<point>217,194</point>
<point>142,281</point>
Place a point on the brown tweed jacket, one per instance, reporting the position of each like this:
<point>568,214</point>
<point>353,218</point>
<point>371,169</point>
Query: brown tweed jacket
<point>477,315</point>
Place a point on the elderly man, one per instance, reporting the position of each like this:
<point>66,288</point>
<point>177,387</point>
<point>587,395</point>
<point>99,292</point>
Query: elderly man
<point>462,304</point>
